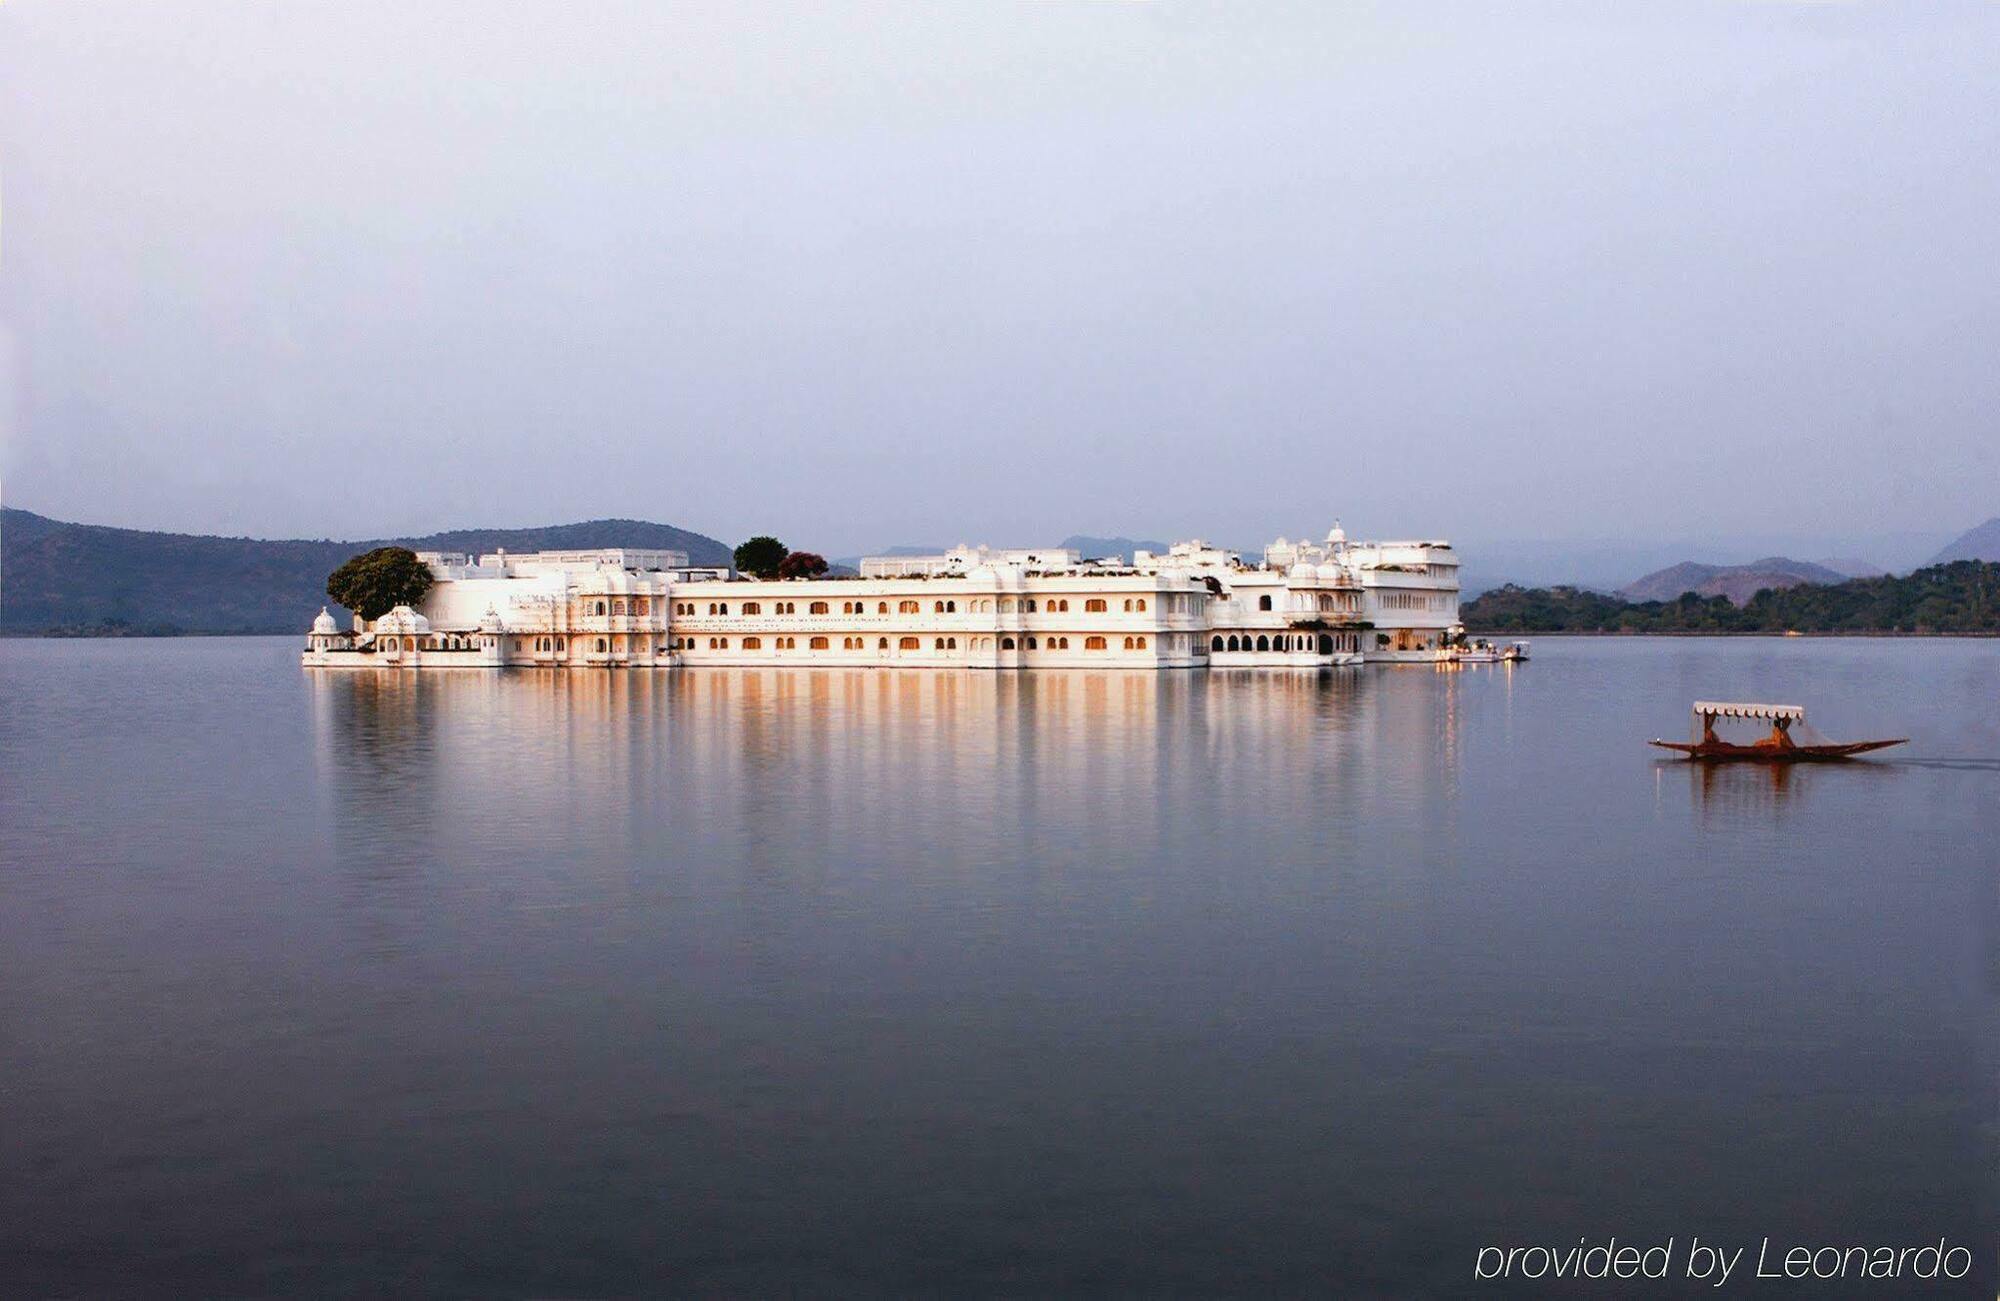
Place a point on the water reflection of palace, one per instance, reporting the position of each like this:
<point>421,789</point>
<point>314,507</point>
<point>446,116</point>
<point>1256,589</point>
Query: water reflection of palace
<point>492,764</point>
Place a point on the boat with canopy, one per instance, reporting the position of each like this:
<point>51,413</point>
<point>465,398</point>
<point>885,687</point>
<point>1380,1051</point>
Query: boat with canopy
<point>1790,739</point>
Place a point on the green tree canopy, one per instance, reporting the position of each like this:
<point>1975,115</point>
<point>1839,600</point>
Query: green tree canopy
<point>1962,597</point>
<point>761,556</point>
<point>376,582</point>
<point>802,564</point>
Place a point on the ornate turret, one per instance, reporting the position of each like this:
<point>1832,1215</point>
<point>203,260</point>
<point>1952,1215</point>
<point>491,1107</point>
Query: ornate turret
<point>326,625</point>
<point>402,621</point>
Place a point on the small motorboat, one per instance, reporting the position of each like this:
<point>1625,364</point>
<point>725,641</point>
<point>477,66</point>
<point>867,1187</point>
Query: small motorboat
<point>1779,745</point>
<point>1514,653</point>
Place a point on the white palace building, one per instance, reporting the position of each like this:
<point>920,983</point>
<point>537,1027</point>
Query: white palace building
<point>1304,605</point>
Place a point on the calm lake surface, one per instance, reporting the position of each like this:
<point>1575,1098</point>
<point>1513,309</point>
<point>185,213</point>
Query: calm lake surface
<point>884,981</point>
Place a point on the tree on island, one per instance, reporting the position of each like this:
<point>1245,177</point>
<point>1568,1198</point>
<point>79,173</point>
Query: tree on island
<point>761,556</point>
<point>802,564</point>
<point>376,582</point>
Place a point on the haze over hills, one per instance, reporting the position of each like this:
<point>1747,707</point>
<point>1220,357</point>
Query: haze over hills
<point>61,576</point>
<point>1979,543</point>
<point>1851,566</point>
<point>1737,582</point>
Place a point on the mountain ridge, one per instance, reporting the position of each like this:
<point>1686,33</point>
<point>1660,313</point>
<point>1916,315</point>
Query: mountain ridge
<point>1737,582</point>
<point>1980,542</point>
<point>64,577</point>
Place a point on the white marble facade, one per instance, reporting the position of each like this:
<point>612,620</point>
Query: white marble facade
<point>1302,605</point>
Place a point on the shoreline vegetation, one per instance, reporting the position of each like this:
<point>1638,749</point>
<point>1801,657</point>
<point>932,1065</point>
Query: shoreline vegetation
<point>1960,599</point>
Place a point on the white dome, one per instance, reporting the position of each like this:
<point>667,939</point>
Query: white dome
<point>490,621</point>
<point>325,624</point>
<point>404,620</point>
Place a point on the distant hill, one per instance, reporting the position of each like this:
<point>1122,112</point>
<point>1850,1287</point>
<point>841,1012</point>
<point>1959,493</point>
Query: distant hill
<point>1962,597</point>
<point>1095,548</point>
<point>1982,543</point>
<point>1737,582</point>
<point>89,579</point>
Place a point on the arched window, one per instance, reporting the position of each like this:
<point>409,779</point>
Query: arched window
<point>1096,605</point>
<point>618,607</point>
<point>939,645</point>
<point>1028,604</point>
<point>1141,641</point>
<point>817,607</point>
<point>1063,605</point>
<point>1006,643</point>
<point>599,608</point>
<point>908,607</point>
<point>752,607</point>
<point>909,643</point>
<point>1142,603</point>
<point>1031,643</point>
<point>882,643</point>
<point>1263,643</point>
<point>881,607</point>
<point>1093,643</point>
<point>951,643</point>
<point>1215,644</point>
<point>1128,643</point>
<point>951,607</point>
<point>817,643</point>
<point>602,646</point>
<point>753,643</point>
<point>1263,602</point>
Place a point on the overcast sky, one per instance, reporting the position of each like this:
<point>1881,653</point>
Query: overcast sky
<point>943,272</point>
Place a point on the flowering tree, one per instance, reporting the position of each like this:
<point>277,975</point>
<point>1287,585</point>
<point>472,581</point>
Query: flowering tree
<point>802,564</point>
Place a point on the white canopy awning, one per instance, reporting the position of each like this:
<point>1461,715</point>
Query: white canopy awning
<point>1729,709</point>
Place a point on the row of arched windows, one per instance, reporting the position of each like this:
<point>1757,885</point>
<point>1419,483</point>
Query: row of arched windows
<point>1008,605</point>
<point>1326,645</point>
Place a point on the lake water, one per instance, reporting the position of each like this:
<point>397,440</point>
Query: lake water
<point>882,981</point>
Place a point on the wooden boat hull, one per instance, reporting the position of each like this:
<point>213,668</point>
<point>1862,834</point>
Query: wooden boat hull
<point>1770,752</point>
